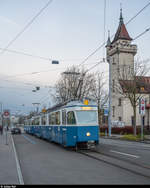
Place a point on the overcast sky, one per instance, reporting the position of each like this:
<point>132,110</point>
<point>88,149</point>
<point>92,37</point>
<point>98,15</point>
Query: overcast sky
<point>68,31</point>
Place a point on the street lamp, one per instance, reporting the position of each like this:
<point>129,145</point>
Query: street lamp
<point>1,114</point>
<point>71,73</point>
<point>55,62</point>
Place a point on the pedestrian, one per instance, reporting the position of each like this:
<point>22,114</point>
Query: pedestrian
<point>1,130</point>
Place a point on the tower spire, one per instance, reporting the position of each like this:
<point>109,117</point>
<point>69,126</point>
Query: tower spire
<point>121,17</point>
<point>122,32</point>
<point>108,40</point>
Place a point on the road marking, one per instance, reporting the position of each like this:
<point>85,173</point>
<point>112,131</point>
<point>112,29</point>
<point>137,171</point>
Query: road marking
<point>27,138</point>
<point>17,164</point>
<point>135,156</point>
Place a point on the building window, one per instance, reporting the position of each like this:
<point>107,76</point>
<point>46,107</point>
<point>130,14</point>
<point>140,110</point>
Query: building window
<point>113,86</point>
<point>120,118</point>
<point>113,110</point>
<point>118,69</point>
<point>119,102</point>
<point>132,120</point>
<point>113,61</point>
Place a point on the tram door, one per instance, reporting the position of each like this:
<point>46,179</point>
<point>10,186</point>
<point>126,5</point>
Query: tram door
<point>64,128</point>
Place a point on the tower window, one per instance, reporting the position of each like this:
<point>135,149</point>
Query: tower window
<point>119,102</point>
<point>113,61</point>
<point>113,86</point>
<point>120,118</point>
<point>113,111</point>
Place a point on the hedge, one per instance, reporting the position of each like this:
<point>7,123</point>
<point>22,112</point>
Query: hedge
<point>121,130</point>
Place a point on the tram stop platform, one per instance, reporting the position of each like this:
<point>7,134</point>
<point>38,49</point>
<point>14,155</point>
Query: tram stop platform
<point>8,169</point>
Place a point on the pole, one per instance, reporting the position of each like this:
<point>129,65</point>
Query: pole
<point>142,137</point>
<point>6,137</point>
<point>110,97</point>
<point>2,116</point>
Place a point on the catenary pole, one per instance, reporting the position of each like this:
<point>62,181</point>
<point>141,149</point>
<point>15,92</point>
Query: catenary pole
<point>110,96</point>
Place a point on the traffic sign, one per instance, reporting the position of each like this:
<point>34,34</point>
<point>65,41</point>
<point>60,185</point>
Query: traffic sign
<point>142,106</point>
<point>106,112</point>
<point>6,113</point>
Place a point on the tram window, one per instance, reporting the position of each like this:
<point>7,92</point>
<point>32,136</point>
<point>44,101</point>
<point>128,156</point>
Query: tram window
<point>37,121</point>
<point>53,119</point>
<point>64,117</point>
<point>43,120</point>
<point>71,118</point>
<point>57,115</point>
<point>49,119</point>
<point>87,116</point>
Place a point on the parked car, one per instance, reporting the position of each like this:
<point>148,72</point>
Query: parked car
<point>15,130</point>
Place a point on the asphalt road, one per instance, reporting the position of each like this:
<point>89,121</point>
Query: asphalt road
<point>43,162</point>
<point>132,151</point>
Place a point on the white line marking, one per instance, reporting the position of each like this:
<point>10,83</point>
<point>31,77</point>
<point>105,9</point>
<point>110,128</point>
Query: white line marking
<point>30,140</point>
<point>135,156</point>
<point>17,163</point>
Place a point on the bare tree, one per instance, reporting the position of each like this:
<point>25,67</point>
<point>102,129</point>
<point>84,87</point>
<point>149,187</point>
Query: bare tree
<point>131,84</point>
<point>100,94</point>
<point>74,84</point>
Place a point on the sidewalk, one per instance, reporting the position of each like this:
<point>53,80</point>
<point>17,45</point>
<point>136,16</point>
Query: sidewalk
<point>8,170</point>
<point>118,136</point>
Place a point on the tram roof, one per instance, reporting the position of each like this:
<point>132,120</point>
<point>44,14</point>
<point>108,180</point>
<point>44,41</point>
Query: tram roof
<point>71,103</point>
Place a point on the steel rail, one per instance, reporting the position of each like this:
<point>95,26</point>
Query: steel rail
<point>89,154</point>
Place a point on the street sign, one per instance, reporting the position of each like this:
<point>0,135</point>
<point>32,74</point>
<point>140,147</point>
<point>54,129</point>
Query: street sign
<point>6,113</point>
<point>142,106</point>
<point>105,112</point>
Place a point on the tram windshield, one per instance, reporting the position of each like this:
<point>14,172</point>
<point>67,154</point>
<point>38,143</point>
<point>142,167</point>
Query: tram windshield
<point>89,117</point>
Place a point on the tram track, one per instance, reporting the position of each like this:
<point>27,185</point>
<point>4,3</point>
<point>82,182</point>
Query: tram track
<point>118,162</point>
<point>125,160</point>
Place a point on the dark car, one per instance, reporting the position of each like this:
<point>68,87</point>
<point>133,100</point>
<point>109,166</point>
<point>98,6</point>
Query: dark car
<point>15,131</point>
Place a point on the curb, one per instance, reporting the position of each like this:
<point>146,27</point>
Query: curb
<point>117,138</point>
<point>20,177</point>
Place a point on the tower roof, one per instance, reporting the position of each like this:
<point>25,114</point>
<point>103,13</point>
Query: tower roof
<point>122,32</point>
<point>108,41</point>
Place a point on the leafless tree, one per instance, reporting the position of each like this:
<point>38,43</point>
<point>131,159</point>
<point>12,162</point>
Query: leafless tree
<point>100,94</point>
<point>131,84</point>
<point>78,84</point>
<point>74,84</point>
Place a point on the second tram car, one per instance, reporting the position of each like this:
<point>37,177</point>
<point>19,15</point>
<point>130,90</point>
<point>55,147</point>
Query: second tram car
<point>73,124</point>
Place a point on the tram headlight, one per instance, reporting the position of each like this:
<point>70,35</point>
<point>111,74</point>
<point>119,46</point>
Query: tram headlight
<point>88,134</point>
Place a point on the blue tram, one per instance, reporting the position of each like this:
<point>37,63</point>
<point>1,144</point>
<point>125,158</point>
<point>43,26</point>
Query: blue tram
<point>73,124</point>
